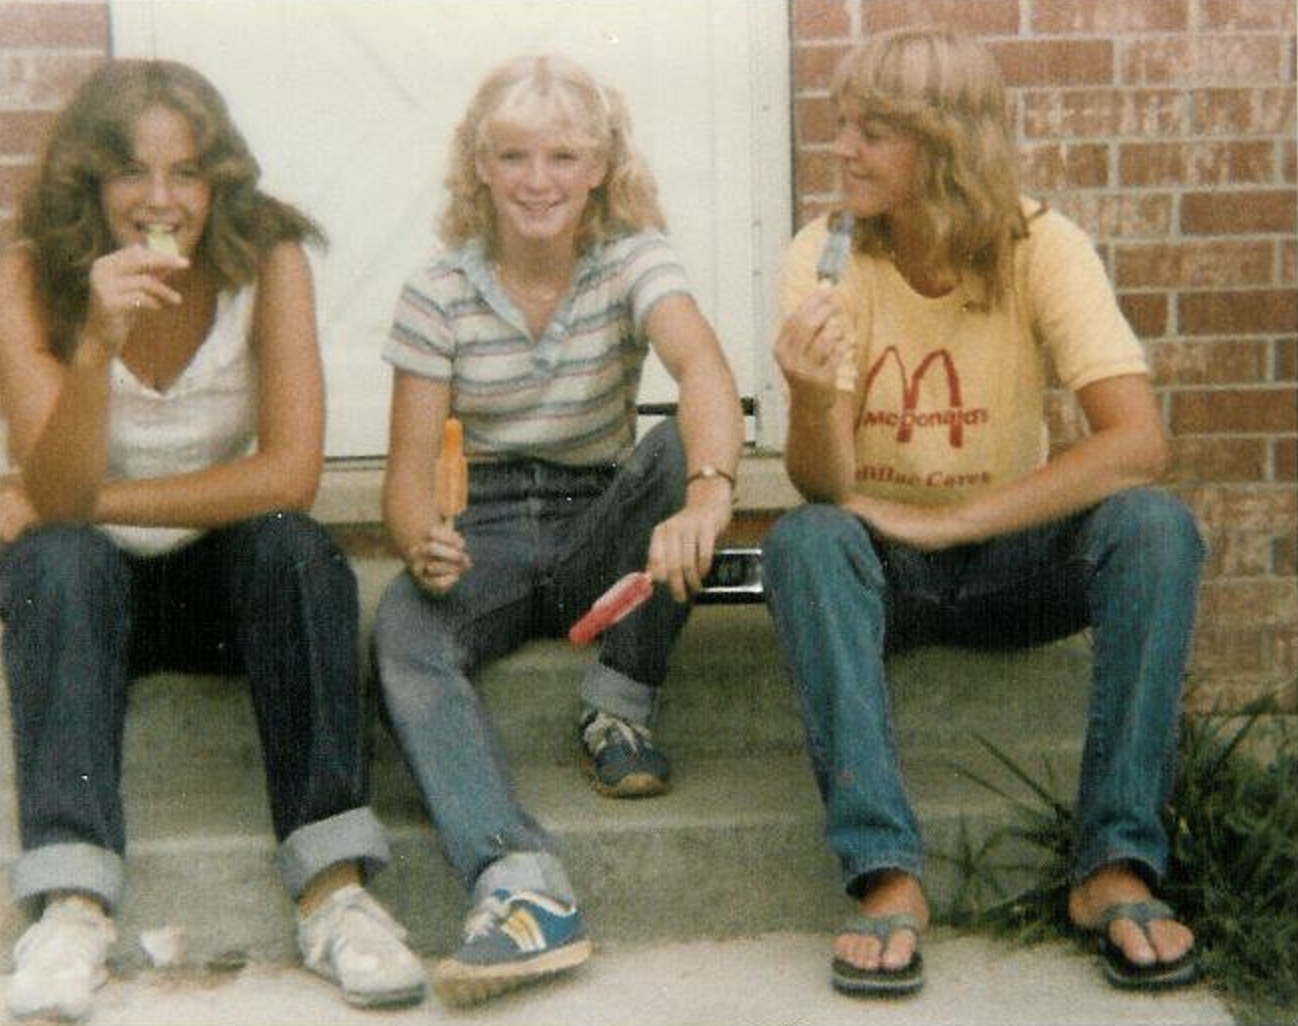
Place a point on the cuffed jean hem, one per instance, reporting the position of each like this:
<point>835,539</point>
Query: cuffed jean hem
<point>352,836</point>
<point>69,867</point>
<point>1153,870</point>
<point>856,879</point>
<point>615,693</point>
<point>537,871</point>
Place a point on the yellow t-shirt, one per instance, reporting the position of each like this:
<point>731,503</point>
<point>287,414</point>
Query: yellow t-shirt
<point>950,398</point>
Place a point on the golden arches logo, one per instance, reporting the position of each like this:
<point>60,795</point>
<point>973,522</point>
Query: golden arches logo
<point>953,418</point>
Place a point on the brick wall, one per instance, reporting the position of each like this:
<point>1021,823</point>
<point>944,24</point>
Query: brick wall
<point>1165,127</point>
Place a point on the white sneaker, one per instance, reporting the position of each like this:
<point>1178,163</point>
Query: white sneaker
<point>59,960</point>
<point>351,941</point>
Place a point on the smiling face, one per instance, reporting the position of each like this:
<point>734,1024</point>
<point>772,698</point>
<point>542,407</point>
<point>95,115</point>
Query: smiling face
<point>540,179</point>
<point>161,188</point>
<point>879,165</point>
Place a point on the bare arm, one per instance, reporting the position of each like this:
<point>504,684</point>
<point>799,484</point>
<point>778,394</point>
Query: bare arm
<point>1126,448</point>
<point>711,425</point>
<point>284,471</point>
<point>433,551</point>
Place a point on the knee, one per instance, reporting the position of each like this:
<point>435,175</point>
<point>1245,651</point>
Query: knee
<point>413,650</point>
<point>807,539</point>
<point>1156,527</point>
<point>285,542</point>
<point>56,560</point>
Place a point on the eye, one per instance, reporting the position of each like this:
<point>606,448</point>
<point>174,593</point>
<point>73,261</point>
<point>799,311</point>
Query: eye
<point>510,156</point>
<point>129,173</point>
<point>187,174</point>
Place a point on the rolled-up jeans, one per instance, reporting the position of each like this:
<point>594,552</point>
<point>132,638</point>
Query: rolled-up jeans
<point>270,597</point>
<point>842,599</point>
<point>545,541</point>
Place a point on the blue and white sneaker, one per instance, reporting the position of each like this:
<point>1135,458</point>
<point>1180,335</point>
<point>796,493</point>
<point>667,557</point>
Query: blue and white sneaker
<point>619,757</point>
<point>511,939</point>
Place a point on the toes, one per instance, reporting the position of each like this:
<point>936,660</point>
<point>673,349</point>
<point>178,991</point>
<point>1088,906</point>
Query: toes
<point>900,950</point>
<point>861,952</point>
<point>1133,942</point>
<point>1170,939</point>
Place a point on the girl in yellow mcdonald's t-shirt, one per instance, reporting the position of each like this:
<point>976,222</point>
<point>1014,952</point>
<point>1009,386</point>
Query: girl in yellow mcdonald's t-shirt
<point>917,368</point>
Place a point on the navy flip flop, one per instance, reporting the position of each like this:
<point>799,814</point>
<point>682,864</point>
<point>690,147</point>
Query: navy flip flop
<point>849,979</point>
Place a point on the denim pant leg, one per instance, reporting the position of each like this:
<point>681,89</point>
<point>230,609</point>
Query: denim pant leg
<point>65,596</point>
<point>425,648</point>
<point>611,538</point>
<point>1141,553</point>
<point>292,597</point>
<point>826,589</point>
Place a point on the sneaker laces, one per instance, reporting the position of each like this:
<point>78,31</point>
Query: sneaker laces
<point>67,931</point>
<point>489,913</point>
<point>350,918</point>
<point>601,729</point>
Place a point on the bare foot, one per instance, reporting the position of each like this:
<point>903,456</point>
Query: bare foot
<point>893,893</point>
<point>1116,884</point>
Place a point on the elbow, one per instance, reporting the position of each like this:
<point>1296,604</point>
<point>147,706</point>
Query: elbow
<point>56,502</point>
<point>1154,461</point>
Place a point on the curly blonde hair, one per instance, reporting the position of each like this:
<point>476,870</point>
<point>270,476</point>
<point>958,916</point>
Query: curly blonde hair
<point>62,217</point>
<point>945,91</point>
<point>548,88</point>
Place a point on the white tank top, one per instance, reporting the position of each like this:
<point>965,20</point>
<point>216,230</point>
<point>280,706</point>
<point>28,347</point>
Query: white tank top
<point>207,416</point>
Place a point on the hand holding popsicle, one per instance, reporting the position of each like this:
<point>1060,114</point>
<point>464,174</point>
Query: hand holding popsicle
<point>626,595</point>
<point>452,472</point>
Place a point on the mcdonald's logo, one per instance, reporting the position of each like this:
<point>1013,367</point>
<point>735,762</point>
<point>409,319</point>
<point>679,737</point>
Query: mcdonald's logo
<point>954,418</point>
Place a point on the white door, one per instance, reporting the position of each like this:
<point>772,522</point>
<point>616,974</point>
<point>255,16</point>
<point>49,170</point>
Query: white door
<point>349,106</point>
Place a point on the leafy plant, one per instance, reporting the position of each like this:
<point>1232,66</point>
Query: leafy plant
<point>1233,873</point>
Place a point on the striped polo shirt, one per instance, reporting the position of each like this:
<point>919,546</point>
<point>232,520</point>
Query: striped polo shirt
<point>567,397</point>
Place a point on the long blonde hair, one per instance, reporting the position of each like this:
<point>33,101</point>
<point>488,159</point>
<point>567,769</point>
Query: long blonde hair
<point>945,91</point>
<point>524,91</point>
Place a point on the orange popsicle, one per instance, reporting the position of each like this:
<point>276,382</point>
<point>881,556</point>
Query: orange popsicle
<point>626,595</point>
<point>452,472</point>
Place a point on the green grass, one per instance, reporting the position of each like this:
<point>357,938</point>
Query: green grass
<point>1233,875</point>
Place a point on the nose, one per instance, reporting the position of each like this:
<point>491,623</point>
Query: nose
<point>536,174</point>
<point>160,189</point>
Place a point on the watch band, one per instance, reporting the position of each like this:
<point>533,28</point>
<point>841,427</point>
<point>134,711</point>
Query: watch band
<point>707,472</point>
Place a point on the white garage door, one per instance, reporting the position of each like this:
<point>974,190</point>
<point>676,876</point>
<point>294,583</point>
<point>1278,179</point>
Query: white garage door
<point>349,106</point>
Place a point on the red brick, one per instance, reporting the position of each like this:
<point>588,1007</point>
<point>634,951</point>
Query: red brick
<point>1219,694</point>
<point>816,172</point>
<point>813,66</point>
<point>1286,359</point>
<point>1233,411</point>
<point>1237,112</point>
<point>24,133</point>
<point>13,183</point>
<point>1239,554</point>
<point>1118,215</point>
<point>1247,601</point>
<point>814,121</point>
<point>31,81</point>
<point>809,210</point>
<point>1147,313</point>
<point>1073,113</point>
<point>1233,362</point>
<point>1228,650</point>
<point>1203,60</point>
<point>1289,161</point>
<point>1240,507</point>
<point>1051,166</point>
<point>1048,63</point>
<point>1284,556</point>
<point>821,19</point>
<point>1239,213</point>
<point>1182,164</point>
<point>1201,265</point>
<point>54,25</point>
<point>8,227</point>
<point>1284,459</point>
<point>979,17</point>
<point>1259,312</point>
<point>1218,459</point>
<point>1237,15</point>
<point>1109,17</point>
<point>1288,262</point>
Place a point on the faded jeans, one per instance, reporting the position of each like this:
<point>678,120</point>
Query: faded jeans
<point>841,599</point>
<point>545,541</point>
<point>270,597</point>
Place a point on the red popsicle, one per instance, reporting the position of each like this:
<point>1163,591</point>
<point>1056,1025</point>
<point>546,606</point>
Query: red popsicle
<point>625,596</point>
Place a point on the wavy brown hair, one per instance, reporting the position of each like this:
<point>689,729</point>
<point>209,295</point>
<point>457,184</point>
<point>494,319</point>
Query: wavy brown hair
<point>945,91</point>
<point>62,217</point>
<point>525,91</point>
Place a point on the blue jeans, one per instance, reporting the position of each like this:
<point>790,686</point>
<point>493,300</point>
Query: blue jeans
<point>1128,568</point>
<point>270,597</point>
<point>545,541</point>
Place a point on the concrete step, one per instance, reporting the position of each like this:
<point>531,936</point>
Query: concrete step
<point>735,849</point>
